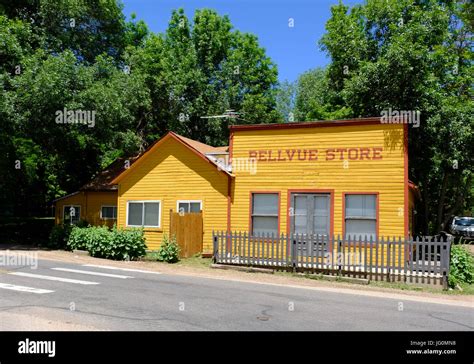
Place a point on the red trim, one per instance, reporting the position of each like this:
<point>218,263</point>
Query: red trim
<point>406,181</point>
<point>377,214</point>
<point>326,191</point>
<point>251,207</point>
<point>229,202</point>
<point>311,124</point>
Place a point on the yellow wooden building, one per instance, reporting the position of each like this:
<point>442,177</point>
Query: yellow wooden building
<point>346,177</point>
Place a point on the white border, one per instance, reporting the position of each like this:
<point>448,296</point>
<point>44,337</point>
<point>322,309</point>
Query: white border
<point>64,215</point>
<point>108,218</point>
<point>188,201</point>
<point>143,213</point>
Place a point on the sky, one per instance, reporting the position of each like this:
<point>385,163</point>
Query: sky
<point>294,49</point>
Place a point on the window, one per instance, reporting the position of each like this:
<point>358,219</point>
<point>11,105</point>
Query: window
<point>360,216</point>
<point>143,213</point>
<point>108,212</point>
<point>71,214</point>
<point>265,213</point>
<point>185,206</point>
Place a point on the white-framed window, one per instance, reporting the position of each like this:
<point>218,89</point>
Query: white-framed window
<point>185,206</point>
<point>360,216</point>
<point>144,213</point>
<point>108,212</point>
<point>265,213</point>
<point>71,214</point>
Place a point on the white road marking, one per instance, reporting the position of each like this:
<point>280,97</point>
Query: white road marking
<point>124,269</point>
<point>52,278</point>
<point>24,289</point>
<point>92,273</point>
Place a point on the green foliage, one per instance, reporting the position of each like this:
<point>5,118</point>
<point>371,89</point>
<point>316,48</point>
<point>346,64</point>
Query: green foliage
<point>417,56</point>
<point>84,55</point>
<point>461,266</point>
<point>59,236</point>
<point>169,250</point>
<point>102,242</point>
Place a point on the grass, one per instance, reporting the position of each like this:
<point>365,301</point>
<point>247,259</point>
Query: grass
<point>196,261</point>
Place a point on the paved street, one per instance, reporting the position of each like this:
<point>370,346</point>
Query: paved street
<point>66,296</point>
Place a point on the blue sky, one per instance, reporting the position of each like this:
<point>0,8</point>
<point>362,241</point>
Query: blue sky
<point>293,49</point>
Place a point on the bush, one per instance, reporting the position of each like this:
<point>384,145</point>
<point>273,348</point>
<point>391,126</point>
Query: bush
<point>58,237</point>
<point>169,250</point>
<point>101,242</point>
<point>461,266</point>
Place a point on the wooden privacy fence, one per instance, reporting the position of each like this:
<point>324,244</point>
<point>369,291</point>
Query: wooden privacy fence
<point>420,260</point>
<point>187,228</point>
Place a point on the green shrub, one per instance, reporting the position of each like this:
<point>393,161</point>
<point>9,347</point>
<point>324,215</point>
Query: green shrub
<point>102,242</point>
<point>58,237</point>
<point>169,250</point>
<point>128,244</point>
<point>461,266</point>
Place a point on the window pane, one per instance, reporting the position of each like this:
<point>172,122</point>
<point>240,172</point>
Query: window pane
<point>360,205</point>
<point>109,212</point>
<point>300,205</point>
<point>320,206</point>
<point>183,207</point>
<point>301,223</point>
<point>152,211</point>
<point>264,225</point>
<point>369,206</point>
<point>360,228</point>
<point>265,204</point>
<point>72,214</point>
<point>320,225</point>
<point>354,205</point>
<point>195,206</point>
<point>135,212</point>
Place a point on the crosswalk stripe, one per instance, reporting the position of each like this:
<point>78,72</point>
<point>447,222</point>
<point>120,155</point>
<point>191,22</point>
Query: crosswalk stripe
<point>116,268</point>
<point>92,273</point>
<point>52,278</point>
<point>24,289</point>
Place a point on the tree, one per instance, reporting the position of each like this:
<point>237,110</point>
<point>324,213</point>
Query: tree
<point>316,100</point>
<point>412,55</point>
<point>219,69</point>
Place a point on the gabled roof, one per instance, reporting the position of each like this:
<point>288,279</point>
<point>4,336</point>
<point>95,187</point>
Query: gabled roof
<point>200,149</point>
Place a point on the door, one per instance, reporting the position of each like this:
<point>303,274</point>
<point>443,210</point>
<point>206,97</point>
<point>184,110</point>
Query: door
<point>310,215</point>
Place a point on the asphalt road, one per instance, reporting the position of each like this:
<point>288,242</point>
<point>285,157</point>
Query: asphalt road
<point>135,300</point>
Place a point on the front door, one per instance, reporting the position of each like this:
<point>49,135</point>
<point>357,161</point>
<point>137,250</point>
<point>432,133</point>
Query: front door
<point>310,215</point>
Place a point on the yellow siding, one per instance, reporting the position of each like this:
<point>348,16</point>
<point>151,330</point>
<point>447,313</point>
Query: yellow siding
<point>94,203</point>
<point>91,204</point>
<point>385,176</point>
<point>170,173</point>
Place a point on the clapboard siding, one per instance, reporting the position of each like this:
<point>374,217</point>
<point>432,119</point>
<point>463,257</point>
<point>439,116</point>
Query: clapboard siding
<point>170,173</point>
<point>384,176</point>
<point>91,203</point>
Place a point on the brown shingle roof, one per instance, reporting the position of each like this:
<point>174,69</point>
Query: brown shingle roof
<point>200,147</point>
<point>101,182</point>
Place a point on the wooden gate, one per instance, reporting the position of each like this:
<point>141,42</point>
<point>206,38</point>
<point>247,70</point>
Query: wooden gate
<point>188,230</point>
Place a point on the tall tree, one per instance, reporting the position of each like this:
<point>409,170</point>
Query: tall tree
<point>413,55</point>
